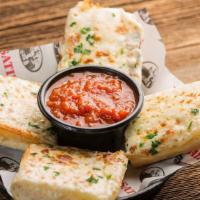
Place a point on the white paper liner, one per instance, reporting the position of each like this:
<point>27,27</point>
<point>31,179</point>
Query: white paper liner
<point>38,63</point>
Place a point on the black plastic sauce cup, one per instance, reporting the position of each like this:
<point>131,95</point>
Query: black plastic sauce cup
<point>103,138</point>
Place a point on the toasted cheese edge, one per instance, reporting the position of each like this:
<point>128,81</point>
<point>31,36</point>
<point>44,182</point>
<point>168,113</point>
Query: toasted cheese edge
<point>20,139</point>
<point>138,160</point>
<point>15,138</point>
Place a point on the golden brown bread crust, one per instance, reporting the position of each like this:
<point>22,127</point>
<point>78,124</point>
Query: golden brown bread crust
<point>138,161</point>
<point>19,139</point>
<point>25,155</point>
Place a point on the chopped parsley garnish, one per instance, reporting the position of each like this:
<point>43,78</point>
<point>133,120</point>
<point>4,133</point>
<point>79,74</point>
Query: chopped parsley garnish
<point>79,49</point>
<point>138,131</point>
<point>45,168</point>
<point>90,39</point>
<point>121,51</point>
<point>154,145</point>
<point>34,93</point>
<point>33,125</point>
<point>92,180</point>
<point>56,173</point>
<point>72,24</point>
<point>153,151</point>
<point>5,94</point>
<point>141,144</point>
<point>85,30</point>
<point>113,14</point>
<point>189,126</point>
<point>33,154</point>
<point>86,51</point>
<point>151,135</point>
<point>96,168</point>
<point>1,104</point>
<point>100,177</point>
<point>74,62</point>
<point>108,176</point>
<point>194,111</point>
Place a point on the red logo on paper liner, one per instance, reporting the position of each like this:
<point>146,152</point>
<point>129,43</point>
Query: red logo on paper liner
<point>127,188</point>
<point>7,63</point>
<point>195,154</point>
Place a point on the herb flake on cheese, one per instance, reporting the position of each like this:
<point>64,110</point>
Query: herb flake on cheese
<point>194,111</point>
<point>33,125</point>
<point>79,49</point>
<point>56,173</point>
<point>151,135</point>
<point>46,168</point>
<point>73,24</point>
<point>108,176</point>
<point>34,154</point>
<point>90,39</point>
<point>74,62</point>
<point>96,168</point>
<point>86,51</point>
<point>92,180</point>
<point>121,51</point>
<point>154,146</point>
<point>85,30</point>
<point>34,93</point>
<point>141,144</point>
<point>5,94</point>
<point>189,126</point>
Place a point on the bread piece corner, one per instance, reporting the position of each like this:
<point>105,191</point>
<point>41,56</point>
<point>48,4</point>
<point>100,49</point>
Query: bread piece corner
<point>68,173</point>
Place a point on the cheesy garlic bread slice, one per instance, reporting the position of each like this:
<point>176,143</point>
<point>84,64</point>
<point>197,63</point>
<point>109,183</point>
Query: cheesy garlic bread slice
<point>168,125</point>
<point>49,173</point>
<point>21,122</point>
<point>96,35</point>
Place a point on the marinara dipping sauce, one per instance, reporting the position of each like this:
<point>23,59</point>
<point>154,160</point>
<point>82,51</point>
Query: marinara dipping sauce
<point>90,99</point>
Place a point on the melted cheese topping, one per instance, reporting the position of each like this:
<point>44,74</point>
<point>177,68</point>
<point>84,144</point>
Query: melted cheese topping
<point>76,173</point>
<point>169,124</point>
<point>103,36</point>
<point>19,111</point>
